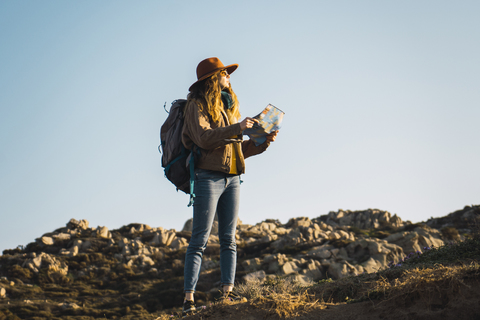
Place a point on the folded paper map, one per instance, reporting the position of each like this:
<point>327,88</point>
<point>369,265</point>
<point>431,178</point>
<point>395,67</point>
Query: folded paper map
<point>269,120</point>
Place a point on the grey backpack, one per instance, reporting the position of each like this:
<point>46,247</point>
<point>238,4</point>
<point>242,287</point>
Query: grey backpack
<point>177,160</point>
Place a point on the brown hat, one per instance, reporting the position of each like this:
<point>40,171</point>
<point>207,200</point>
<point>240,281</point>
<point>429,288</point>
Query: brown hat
<point>209,66</point>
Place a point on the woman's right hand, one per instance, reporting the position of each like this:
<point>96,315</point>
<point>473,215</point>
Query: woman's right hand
<point>247,123</point>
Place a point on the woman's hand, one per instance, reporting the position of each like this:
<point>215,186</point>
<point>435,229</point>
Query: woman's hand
<point>247,123</point>
<point>272,136</point>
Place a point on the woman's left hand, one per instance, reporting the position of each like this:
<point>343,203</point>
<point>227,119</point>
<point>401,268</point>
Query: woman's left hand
<point>272,136</point>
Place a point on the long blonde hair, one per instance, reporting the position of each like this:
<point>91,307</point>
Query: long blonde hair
<point>207,94</point>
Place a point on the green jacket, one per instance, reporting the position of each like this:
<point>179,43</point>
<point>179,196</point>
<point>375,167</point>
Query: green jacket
<point>216,140</point>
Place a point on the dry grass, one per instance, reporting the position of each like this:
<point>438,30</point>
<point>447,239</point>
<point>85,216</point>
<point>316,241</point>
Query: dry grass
<point>428,283</point>
<point>282,296</point>
<point>438,274</point>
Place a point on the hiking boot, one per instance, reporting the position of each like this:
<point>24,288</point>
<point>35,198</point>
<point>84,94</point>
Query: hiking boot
<point>230,295</point>
<point>188,308</point>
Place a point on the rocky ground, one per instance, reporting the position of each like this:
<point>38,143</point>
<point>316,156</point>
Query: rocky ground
<point>136,272</point>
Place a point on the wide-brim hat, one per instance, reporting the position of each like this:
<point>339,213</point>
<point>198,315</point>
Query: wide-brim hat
<point>209,66</point>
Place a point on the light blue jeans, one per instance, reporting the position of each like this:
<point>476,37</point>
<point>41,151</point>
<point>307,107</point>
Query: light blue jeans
<point>214,192</point>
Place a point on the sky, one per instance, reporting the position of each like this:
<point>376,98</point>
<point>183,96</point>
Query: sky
<point>381,101</point>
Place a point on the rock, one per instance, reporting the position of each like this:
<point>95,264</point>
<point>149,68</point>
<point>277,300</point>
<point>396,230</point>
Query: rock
<point>321,252</point>
<point>371,265</point>
<point>367,219</point>
<point>44,260</point>
<point>428,237</point>
<point>74,224</point>
<point>188,225</point>
<point>37,261</point>
<point>177,264</point>
<point>46,240</point>
<point>179,243</point>
<point>136,245</point>
<point>288,268</point>
<point>337,270</point>
<point>214,230</point>
<point>155,240</point>
<point>85,245</point>
<point>268,238</point>
<point>460,219</point>
<point>275,261</point>
<point>208,264</point>
<point>340,270</point>
<point>281,231</point>
<point>102,232</point>
<point>62,236</point>
<point>147,261</point>
<point>267,226</point>
<point>252,264</point>
<point>294,223</point>
<point>165,238</point>
<point>213,239</point>
<point>3,292</point>
<point>253,276</point>
<point>144,251</point>
<point>68,305</point>
<point>407,240</point>
<point>123,243</point>
<point>301,279</point>
<point>312,270</point>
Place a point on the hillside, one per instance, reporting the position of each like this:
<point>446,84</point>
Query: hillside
<point>346,264</point>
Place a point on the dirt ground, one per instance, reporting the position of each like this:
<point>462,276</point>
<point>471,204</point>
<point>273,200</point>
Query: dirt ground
<point>434,306</point>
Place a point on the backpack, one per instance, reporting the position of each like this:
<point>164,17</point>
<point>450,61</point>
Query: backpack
<point>177,160</point>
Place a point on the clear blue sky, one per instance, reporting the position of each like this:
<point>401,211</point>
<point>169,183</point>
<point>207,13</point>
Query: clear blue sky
<point>382,107</point>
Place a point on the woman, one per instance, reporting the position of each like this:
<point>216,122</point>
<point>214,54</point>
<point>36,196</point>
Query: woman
<point>212,128</point>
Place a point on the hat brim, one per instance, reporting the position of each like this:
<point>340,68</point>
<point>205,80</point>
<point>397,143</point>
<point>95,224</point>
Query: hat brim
<point>230,69</point>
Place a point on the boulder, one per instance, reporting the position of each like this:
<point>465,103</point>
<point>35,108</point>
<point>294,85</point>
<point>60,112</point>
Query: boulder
<point>146,261</point>
<point>301,279</point>
<point>337,270</point>
<point>288,268</point>
<point>46,241</point>
<point>407,240</point>
<point>320,252</point>
<point>62,236</point>
<point>366,219</point>
<point>267,226</point>
<point>313,270</point>
<point>68,305</point>
<point>275,261</point>
<point>102,232</point>
<point>371,265</point>
<point>294,223</point>
<point>342,269</point>
<point>179,243</point>
<point>166,237</point>
<point>208,264</point>
<point>252,264</point>
<point>428,237</point>
<point>188,225</point>
<point>74,224</point>
<point>255,276</point>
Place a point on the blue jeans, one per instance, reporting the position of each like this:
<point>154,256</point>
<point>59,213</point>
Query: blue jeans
<point>214,192</point>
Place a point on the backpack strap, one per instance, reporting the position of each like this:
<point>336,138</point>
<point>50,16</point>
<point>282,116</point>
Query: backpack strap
<point>192,179</point>
<point>191,162</point>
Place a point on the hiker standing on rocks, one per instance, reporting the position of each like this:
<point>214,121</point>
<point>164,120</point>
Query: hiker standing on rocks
<point>212,128</point>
